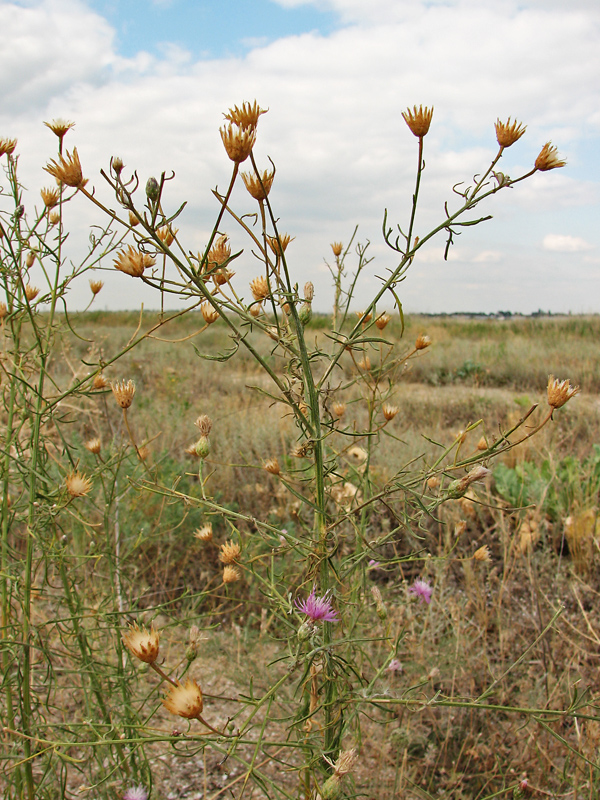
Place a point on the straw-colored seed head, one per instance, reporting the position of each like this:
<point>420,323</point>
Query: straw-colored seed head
<point>259,288</point>
<point>67,170</point>
<point>259,189</point>
<point>238,142</point>
<point>422,342</point>
<point>337,248</point>
<point>50,197</point>
<point>364,363</point>
<point>3,310</point>
<point>30,258</point>
<point>204,424</point>
<point>142,643</point>
<point>548,158</point>
<point>230,552</point>
<point>364,318</point>
<point>508,133</point>
<point>219,253</point>
<point>272,465</point>
<point>167,234</point>
<point>309,292</point>
<point>433,482</point>
<point>246,116</point>
<point>96,286</point>
<point>205,533</point>
<point>77,484</point>
<point>133,220</point>
<point>54,217</point>
<point>223,276</point>
<point>209,313</point>
<point>418,120</point>
<point>143,452</point>
<point>132,262</point>
<point>117,164</point>
<point>559,392</point>
<point>284,240</point>
<point>94,446</point>
<point>256,309</point>
<point>123,392</point>
<point>31,292</point>
<point>184,700</point>
<point>7,146</point>
<point>382,320</point>
<point>358,454</point>
<point>482,444</point>
<point>483,554</point>
<point>231,574</point>
<point>60,127</point>
<point>339,409</point>
<point>99,381</point>
<point>389,412</point>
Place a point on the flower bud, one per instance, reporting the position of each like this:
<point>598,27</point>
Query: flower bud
<point>152,190</point>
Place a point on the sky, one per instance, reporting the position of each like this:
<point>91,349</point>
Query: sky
<point>150,81</point>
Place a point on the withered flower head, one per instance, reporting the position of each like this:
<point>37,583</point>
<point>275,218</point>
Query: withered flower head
<point>209,313</point>
<point>99,381</point>
<point>548,158</point>
<point>132,262</point>
<point>117,164</point>
<point>3,310</point>
<point>204,424</point>
<point>54,217</point>
<point>60,127</point>
<point>222,276</point>
<point>123,392</point>
<point>309,292</point>
<point>142,643</point>
<point>559,392</point>
<point>364,363</point>
<point>259,189</point>
<point>94,446</point>
<point>7,146</point>
<point>246,116</point>
<point>30,258</point>
<point>133,220</point>
<point>339,409</point>
<point>422,342</point>
<point>184,700</point>
<point>272,465</point>
<point>482,443</point>
<point>388,411</point>
<point>364,318</point>
<point>230,552</point>
<point>337,248</point>
<point>96,286</point>
<point>78,484</point>
<point>259,288</point>
<point>418,120</point>
<point>167,234</point>
<point>67,170</point>
<point>219,253</point>
<point>238,142</point>
<point>382,320</point>
<point>256,309</point>
<point>50,197</point>
<point>483,554</point>
<point>231,574</point>
<point>508,133</point>
<point>31,292</point>
<point>205,533</point>
<point>284,239</point>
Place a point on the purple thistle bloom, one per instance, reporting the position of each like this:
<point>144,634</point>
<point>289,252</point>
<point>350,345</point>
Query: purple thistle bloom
<point>422,590</point>
<point>317,609</point>
<point>136,793</point>
<point>395,665</point>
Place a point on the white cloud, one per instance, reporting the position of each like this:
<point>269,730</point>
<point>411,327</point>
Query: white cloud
<point>487,257</point>
<point>561,243</point>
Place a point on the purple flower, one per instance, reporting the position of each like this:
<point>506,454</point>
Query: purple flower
<point>317,609</point>
<point>422,590</point>
<point>373,564</point>
<point>395,665</point>
<point>136,793</point>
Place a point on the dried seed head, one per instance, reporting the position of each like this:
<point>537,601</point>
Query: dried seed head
<point>50,197</point>
<point>31,292</point>
<point>167,234</point>
<point>96,286</point>
<point>219,253</point>
<point>458,488</point>
<point>256,309</point>
<point>389,412</point>
<point>133,220</point>
<point>379,604</point>
<point>337,248</point>
<point>222,276</point>
<point>422,342</point>
<point>339,409</point>
<point>279,246</point>
<point>482,444</point>
<point>54,217</point>
<point>230,552</point>
<point>205,533</point>
<point>364,363</point>
<point>300,450</point>
<point>193,643</point>
<point>364,318</point>
<point>272,465</point>
<point>123,392</point>
<point>559,392</point>
<point>60,127</point>
<point>508,133</point>
<point>77,484</point>
<point>204,424</point>
<point>548,158</point>
<point>132,262</point>
<point>7,146</point>
<point>238,142</point>
<point>483,554</point>
<point>259,288</point>
<point>418,120</point>
<point>382,320</point>
<point>433,482</point>
<point>94,446</point>
<point>117,164</point>
<point>246,116</point>
<point>3,310</point>
<point>358,454</point>
<point>209,313</point>
<point>309,292</point>
<point>184,700</point>
<point>67,170</point>
<point>142,643</point>
<point>99,381</point>
<point>29,261</point>
<point>258,188</point>
<point>143,453</point>
<point>231,574</point>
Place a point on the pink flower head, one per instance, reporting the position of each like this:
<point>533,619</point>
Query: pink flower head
<point>136,793</point>
<point>317,609</point>
<point>373,564</point>
<point>395,665</point>
<point>422,590</point>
